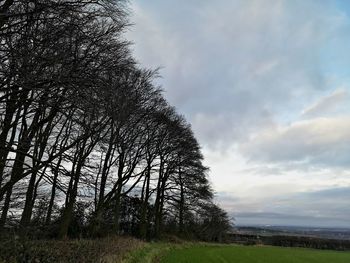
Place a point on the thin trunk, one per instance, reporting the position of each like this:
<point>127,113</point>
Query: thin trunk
<point>83,153</point>
<point>157,212</point>
<point>117,209</point>
<point>17,170</point>
<point>5,209</point>
<point>53,192</point>
<point>161,203</point>
<point>7,124</point>
<point>181,204</point>
<point>68,211</point>
<point>118,192</point>
<point>35,192</point>
<point>143,222</point>
<point>105,169</point>
<point>24,144</point>
<point>40,145</point>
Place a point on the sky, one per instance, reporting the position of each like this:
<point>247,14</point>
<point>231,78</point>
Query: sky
<point>266,88</point>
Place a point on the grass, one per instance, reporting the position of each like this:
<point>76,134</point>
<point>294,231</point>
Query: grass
<point>148,253</point>
<point>129,250</point>
<point>252,254</point>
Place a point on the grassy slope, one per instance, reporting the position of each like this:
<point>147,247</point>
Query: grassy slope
<point>129,250</point>
<point>254,254</point>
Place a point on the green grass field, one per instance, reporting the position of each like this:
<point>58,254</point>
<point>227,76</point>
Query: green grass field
<point>253,254</point>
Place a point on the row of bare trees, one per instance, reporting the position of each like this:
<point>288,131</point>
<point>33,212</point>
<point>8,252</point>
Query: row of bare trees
<point>82,123</point>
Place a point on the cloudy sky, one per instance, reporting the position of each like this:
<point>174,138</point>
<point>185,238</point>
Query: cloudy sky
<point>266,87</point>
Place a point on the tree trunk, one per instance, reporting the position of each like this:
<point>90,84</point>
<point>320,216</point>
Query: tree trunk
<point>28,206</point>
<point>5,209</point>
<point>117,209</point>
<point>39,148</point>
<point>68,211</point>
<point>53,192</point>
<point>17,171</point>
<point>105,169</point>
<point>143,222</point>
<point>157,210</point>
<point>7,124</point>
<point>181,204</point>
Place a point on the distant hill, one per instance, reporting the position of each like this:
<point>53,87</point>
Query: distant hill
<point>328,233</point>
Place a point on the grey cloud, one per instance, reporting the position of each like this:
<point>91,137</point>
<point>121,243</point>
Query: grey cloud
<point>226,197</point>
<point>277,219</point>
<point>328,203</point>
<point>321,142</point>
<point>327,207</point>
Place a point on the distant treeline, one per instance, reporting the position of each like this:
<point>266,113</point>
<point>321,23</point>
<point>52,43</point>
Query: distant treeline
<point>88,144</point>
<point>291,241</point>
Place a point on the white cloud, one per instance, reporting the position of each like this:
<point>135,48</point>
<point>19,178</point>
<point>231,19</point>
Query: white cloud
<point>326,104</point>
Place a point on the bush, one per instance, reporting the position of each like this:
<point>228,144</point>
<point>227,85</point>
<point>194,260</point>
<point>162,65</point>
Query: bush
<point>48,251</point>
